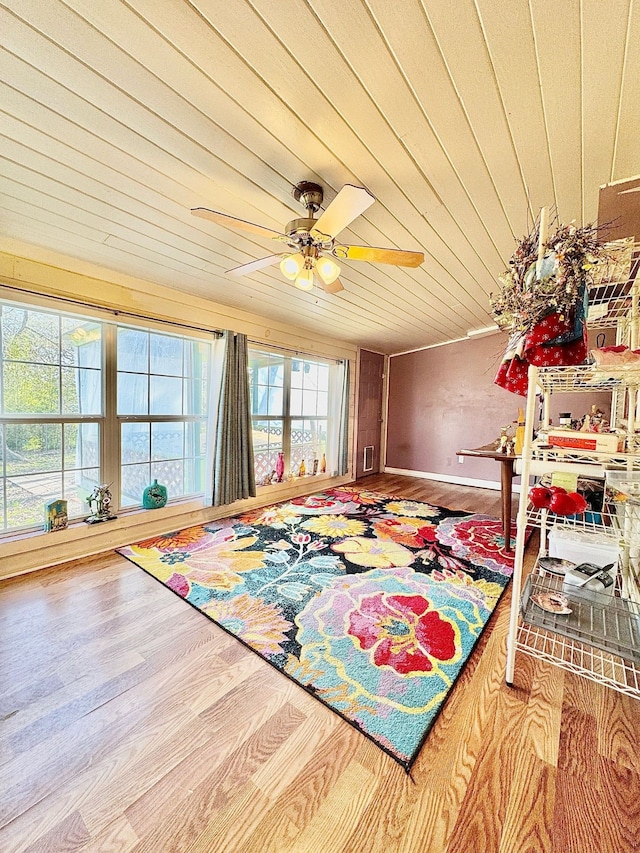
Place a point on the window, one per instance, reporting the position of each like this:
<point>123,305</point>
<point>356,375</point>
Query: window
<point>63,431</point>
<point>162,412</point>
<point>294,411</point>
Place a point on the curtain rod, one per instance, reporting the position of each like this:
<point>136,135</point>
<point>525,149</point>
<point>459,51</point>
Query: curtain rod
<point>117,312</point>
<point>295,351</point>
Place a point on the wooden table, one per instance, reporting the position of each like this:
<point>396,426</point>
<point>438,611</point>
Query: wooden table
<point>506,482</point>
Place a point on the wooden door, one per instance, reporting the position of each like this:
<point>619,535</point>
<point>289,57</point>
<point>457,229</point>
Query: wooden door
<point>370,393</point>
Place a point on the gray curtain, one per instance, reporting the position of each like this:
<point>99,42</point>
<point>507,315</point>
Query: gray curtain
<point>343,445</point>
<point>233,472</point>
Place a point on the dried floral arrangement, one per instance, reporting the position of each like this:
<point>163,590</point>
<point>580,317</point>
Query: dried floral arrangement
<point>525,297</point>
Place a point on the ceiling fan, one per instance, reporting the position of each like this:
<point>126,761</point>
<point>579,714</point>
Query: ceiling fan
<point>313,241</point>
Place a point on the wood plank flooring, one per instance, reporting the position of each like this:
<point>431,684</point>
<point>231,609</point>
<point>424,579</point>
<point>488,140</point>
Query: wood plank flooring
<point>130,723</point>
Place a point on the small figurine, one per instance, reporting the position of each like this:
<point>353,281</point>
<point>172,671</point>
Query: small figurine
<point>101,498</point>
<point>503,440</point>
<point>594,421</point>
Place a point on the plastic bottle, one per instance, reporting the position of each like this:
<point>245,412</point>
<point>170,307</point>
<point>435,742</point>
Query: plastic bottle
<point>519,436</point>
<point>302,470</point>
<point>323,464</point>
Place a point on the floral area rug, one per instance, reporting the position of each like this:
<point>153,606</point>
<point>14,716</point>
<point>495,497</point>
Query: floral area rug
<point>370,602</point>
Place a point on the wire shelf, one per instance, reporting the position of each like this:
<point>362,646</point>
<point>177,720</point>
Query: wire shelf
<point>587,378</point>
<point>572,655</point>
<point>607,524</point>
<point>612,287</point>
<point>605,622</point>
<point>619,458</point>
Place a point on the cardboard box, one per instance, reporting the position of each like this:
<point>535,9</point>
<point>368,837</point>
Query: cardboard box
<point>600,442</point>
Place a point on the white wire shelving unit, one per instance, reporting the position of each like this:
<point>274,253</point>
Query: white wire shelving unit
<point>600,637</point>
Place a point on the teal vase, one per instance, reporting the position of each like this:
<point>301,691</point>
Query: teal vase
<point>154,496</point>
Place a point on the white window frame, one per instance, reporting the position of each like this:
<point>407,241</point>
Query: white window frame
<point>109,422</point>
<point>334,407</point>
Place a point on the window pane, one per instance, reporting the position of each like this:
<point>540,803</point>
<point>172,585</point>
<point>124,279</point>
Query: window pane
<point>196,438</point>
<point>133,392</point>
<point>266,379</point>
<point>196,397</point>
<point>260,400</point>
<point>275,401</point>
<point>33,449</point>
<point>171,475</point>
<point>267,442</point>
<point>30,335</point>
<point>165,396</point>
<point>296,401</point>
<point>166,355</point>
<point>310,371</point>
<point>81,391</point>
<point>196,358</point>
<point>26,497</point>
<point>81,343</point>
<point>135,479</point>
<point>167,441</point>
<point>31,389</point>
<point>81,446</point>
<point>323,377</point>
<point>309,403</point>
<point>308,442</point>
<point>269,369</point>
<point>136,442</point>
<point>194,476</point>
<point>322,403</point>
<point>296,373</point>
<point>133,350</point>
<point>78,485</point>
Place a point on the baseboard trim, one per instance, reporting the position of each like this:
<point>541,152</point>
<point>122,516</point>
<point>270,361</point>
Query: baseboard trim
<point>448,478</point>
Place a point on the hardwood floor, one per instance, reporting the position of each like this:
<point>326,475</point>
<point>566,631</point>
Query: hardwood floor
<point>131,723</point>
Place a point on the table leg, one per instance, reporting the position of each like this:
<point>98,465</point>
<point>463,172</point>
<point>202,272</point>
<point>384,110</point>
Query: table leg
<point>506,487</point>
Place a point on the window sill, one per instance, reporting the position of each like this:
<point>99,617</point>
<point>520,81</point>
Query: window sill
<point>40,549</point>
<point>77,529</point>
<point>308,481</point>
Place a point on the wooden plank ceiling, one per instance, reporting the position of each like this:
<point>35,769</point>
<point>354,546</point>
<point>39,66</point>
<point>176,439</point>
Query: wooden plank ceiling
<point>462,118</point>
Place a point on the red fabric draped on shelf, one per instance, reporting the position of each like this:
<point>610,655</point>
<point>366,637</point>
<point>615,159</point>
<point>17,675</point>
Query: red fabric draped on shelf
<point>544,347</point>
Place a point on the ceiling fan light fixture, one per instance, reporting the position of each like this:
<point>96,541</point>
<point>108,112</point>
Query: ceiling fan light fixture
<point>305,280</point>
<point>327,269</point>
<point>291,266</point>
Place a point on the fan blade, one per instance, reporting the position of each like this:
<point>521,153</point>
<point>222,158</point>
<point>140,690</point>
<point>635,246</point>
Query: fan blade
<point>252,266</point>
<point>232,222</point>
<point>334,287</point>
<point>399,257</point>
<point>350,202</point>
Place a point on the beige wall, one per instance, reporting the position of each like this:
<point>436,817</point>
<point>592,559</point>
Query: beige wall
<point>30,273</point>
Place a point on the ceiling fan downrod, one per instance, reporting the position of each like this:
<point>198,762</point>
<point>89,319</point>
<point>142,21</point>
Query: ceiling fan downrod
<point>299,230</point>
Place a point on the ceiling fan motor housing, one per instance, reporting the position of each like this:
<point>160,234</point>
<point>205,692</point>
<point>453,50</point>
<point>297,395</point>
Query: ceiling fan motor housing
<point>299,228</point>
<point>309,195</point>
